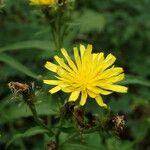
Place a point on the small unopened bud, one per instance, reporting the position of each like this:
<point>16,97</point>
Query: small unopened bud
<point>61,1</point>
<point>91,119</point>
<point>67,109</point>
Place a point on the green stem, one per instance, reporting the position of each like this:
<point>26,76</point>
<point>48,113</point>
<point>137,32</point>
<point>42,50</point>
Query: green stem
<point>49,121</point>
<point>94,129</point>
<point>59,130</point>
<point>38,120</point>
<point>20,141</point>
<point>52,23</point>
<point>58,26</point>
<point>70,138</point>
<point>54,36</point>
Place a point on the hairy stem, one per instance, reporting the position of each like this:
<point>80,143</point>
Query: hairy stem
<point>87,131</point>
<point>38,120</point>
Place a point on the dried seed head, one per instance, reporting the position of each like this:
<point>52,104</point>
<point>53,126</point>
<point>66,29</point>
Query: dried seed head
<point>51,145</point>
<point>17,87</point>
<point>22,88</point>
<point>119,122</point>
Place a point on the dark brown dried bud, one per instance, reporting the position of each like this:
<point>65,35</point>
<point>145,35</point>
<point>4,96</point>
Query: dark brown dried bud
<point>51,146</point>
<point>78,115</point>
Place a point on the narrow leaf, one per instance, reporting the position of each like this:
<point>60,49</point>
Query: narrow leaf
<point>95,23</point>
<point>9,113</point>
<point>17,65</point>
<point>30,132</point>
<point>130,79</point>
<point>37,44</point>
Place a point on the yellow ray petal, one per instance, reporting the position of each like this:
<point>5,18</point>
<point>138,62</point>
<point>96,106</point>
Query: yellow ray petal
<point>63,85</point>
<point>95,56</point>
<point>82,50</point>
<point>116,88</point>
<point>91,94</point>
<point>99,91</point>
<point>50,66</point>
<point>43,2</point>
<point>77,57</point>
<point>64,74</point>
<point>89,48</point>
<point>70,62</point>
<point>100,102</point>
<point>67,89</point>
<point>61,62</point>
<point>83,98</point>
<point>55,89</point>
<point>52,82</point>
<point>67,80</point>
<point>116,71</point>
<point>97,63</point>
<point>86,57</point>
<point>110,59</point>
<point>113,71</point>
<point>101,57</point>
<point>105,74</point>
<point>113,79</point>
<point>74,95</point>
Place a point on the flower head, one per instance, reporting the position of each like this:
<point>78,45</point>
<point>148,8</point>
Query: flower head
<point>44,2</point>
<point>89,75</point>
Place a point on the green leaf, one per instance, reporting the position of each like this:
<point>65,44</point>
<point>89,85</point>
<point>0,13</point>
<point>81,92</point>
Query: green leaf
<point>87,144</point>
<point>16,112</point>
<point>116,144</point>
<point>68,129</point>
<point>75,146</point>
<point>140,128</point>
<point>91,21</point>
<point>11,111</point>
<point>130,79</point>
<point>30,132</point>
<point>37,44</point>
<point>4,102</point>
<point>18,66</point>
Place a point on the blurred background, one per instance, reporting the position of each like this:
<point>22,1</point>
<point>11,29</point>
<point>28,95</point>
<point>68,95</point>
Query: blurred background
<point>120,27</point>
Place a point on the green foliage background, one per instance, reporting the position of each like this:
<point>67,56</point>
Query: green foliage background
<point>121,27</point>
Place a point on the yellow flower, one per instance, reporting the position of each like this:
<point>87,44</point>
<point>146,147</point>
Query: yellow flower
<point>90,74</point>
<point>44,2</point>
